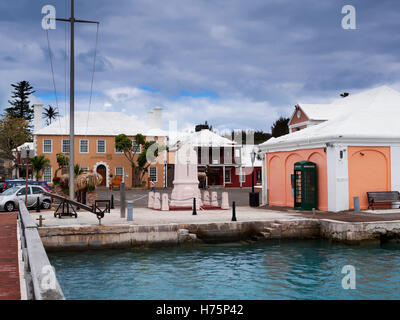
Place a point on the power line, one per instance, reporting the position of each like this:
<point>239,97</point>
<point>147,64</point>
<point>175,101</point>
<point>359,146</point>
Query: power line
<point>66,61</point>
<point>93,72</point>
<point>52,72</point>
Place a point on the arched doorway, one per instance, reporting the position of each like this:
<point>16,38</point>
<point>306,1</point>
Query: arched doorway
<point>369,170</point>
<point>102,170</point>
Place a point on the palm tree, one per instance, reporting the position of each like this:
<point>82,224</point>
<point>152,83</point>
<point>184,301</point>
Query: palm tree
<point>38,164</point>
<point>77,170</point>
<point>50,114</point>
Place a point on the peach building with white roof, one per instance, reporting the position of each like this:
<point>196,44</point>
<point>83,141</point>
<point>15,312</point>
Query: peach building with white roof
<point>355,142</point>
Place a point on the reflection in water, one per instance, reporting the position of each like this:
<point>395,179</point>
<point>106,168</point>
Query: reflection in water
<point>269,270</point>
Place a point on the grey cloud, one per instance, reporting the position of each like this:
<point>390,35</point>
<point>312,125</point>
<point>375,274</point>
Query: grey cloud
<point>276,51</point>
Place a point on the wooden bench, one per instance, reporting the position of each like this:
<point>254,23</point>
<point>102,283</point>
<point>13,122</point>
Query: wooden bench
<point>382,197</point>
<point>115,182</point>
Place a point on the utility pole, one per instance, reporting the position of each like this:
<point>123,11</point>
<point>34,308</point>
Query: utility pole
<point>72,21</point>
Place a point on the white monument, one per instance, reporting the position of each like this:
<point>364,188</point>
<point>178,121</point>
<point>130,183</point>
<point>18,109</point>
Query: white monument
<point>186,181</point>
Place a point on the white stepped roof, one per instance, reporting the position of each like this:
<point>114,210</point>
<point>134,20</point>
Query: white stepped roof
<point>203,138</point>
<point>371,114</point>
<point>101,124</point>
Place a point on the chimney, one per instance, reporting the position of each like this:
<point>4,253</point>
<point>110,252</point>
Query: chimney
<point>157,111</point>
<point>150,119</point>
<point>37,117</point>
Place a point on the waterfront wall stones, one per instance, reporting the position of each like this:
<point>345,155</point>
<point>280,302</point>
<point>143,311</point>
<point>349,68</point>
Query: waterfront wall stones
<point>359,231</point>
<point>123,236</point>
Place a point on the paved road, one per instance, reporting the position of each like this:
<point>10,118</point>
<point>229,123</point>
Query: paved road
<point>145,216</point>
<point>240,196</point>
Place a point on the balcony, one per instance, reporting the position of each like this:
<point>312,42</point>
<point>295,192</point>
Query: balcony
<point>219,156</point>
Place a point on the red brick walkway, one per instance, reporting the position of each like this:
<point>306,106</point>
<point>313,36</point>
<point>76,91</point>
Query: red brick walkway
<point>9,274</point>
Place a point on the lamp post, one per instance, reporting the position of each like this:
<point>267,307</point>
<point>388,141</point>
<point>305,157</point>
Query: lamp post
<point>26,149</point>
<point>253,158</point>
<point>253,196</point>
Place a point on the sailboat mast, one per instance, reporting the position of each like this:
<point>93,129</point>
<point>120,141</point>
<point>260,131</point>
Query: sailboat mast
<point>72,20</point>
<point>72,107</point>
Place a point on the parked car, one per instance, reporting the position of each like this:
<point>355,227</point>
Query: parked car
<point>7,184</point>
<point>9,198</point>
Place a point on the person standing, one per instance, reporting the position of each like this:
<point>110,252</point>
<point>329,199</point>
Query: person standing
<point>152,186</point>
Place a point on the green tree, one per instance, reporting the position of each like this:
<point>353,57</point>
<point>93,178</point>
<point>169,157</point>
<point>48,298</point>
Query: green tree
<point>62,161</point>
<point>136,153</point>
<point>20,105</point>
<point>145,158</point>
<point>280,127</point>
<point>77,170</point>
<point>50,114</point>
<point>38,164</point>
<point>200,127</point>
<point>13,133</point>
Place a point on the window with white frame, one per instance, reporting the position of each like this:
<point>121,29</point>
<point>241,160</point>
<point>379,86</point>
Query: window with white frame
<point>84,146</point>
<point>65,146</point>
<point>118,151</point>
<point>85,169</point>
<point>135,147</point>
<point>47,174</point>
<point>101,146</point>
<point>47,146</point>
<point>227,175</point>
<point>242,176</point>
<point>153,174</point>
<point>258,176</point>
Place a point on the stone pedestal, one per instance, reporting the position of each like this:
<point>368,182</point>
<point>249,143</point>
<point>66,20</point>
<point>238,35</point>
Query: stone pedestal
<point>164,202</point>
<point>225,201</point>
<point>186,182</point>
<point>206,198</point>
<point>157,202</point>
<point>150,203</point>
<point>214,199</point>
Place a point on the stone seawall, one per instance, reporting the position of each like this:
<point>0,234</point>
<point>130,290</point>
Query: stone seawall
<point>124,236</point>
<point>359,231</point>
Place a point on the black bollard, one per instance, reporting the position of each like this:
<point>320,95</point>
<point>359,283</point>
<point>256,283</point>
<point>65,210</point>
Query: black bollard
<point>38,205</point>
<point>194,207</point>
<point>112,201</point>
<point>234,211</point>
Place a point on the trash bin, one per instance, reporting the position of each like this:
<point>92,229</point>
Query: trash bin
<point>254,199</point>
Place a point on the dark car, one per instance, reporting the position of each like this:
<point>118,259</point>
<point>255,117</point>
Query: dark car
<point>7,184</point>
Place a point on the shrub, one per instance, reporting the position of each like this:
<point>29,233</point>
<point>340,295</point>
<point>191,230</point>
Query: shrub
<point>91,188</point>
<point>56,180</point>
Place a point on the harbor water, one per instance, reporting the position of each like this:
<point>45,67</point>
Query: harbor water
<point>269,270</point>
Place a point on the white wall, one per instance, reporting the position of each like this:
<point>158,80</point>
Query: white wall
<point>395,171</point>
<point>338,178</point>
<point>264,173</point>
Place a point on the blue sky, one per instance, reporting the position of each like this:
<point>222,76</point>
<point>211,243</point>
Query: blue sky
<point>236,64</point>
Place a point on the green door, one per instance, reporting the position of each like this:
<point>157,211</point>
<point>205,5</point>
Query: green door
<point>305,186</point>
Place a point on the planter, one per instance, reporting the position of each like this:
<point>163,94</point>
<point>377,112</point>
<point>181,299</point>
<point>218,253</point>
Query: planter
<point>91,197</point>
